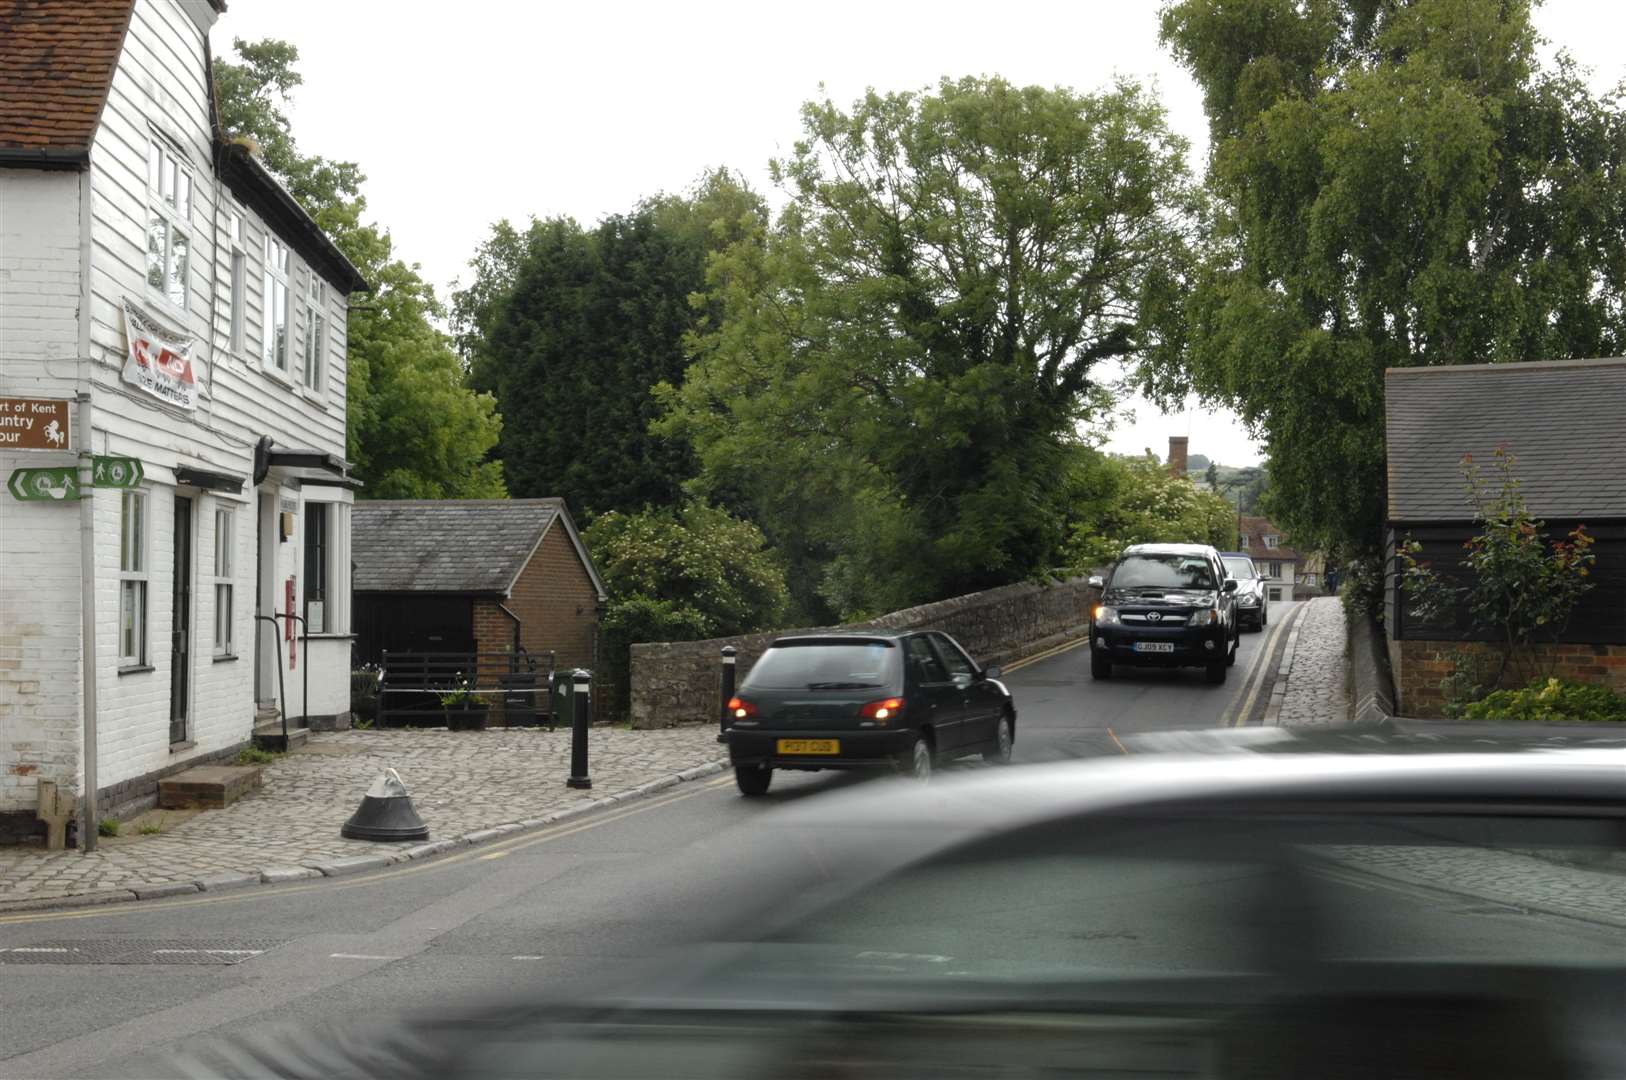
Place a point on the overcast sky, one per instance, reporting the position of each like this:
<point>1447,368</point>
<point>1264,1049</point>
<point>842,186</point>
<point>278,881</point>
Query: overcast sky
<point>462,114</point>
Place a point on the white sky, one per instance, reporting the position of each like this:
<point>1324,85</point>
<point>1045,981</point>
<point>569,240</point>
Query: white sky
<point>461,114</point>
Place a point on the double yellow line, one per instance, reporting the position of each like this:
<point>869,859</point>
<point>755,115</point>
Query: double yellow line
<point>1236,717</point>
<point>1047,654</point>
<point>519,842</point>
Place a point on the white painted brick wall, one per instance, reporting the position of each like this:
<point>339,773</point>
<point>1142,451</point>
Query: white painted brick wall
<point>39,645</point>
<point>39,542</point>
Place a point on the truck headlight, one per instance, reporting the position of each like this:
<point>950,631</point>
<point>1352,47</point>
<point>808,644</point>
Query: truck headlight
<point>1106,616</point>
<point>1205,617</point>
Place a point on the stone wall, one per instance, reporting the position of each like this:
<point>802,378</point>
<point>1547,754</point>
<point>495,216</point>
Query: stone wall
<point>679,682</point>
<point>1419,666</point>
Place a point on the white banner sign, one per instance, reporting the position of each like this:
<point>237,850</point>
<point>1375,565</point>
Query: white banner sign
<point>159,359</point>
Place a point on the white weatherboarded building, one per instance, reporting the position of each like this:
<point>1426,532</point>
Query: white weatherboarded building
<point>156,276</point>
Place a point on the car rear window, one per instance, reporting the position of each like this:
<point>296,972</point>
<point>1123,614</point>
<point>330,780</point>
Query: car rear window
<point>827,665</point>
<point>1163,571</point>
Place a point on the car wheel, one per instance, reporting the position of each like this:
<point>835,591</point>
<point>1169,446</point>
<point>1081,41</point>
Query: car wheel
<point>753,780</point>
<point>917,762</point>
<point>1264,617</point>
<point>1236,644</point>
<point>1100,667</point>
<point>1004,738</point>
<point>1215,672</point>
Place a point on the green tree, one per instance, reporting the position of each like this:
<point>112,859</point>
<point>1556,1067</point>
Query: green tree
<point>902,359</point>
<point>415,430</point>
<point>1395,184</point>
<point>677,574</point>
<point>570,328</point>
<point>1120,501</point>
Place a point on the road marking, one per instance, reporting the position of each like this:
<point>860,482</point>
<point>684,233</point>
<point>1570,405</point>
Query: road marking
<point>1234,717</point>
<point>1115,741</point>
<point>494,855</point>
<point>359,956</point>
<point>527,958</point>
<point>1047,654</point>
<point>517,843</point>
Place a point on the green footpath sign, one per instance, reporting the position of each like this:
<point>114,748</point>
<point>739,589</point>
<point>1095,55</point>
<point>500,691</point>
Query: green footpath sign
<point>115,472</point>
<point>43,485</point>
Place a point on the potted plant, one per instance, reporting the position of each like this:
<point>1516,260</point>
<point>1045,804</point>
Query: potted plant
<point>465,709</point>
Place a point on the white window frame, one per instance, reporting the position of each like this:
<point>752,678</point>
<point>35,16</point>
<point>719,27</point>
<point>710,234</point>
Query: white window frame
<point>239,283</point>
<point>315,372</point>
<point>170,193</point>
<point>134,548</point>
<point>317,611</point>
<point>225,561</point>
<point>1275,566</point>
<point>274,352</point>
<point>1272,541</point>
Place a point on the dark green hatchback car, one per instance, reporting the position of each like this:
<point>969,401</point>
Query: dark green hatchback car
<point>846,701</point>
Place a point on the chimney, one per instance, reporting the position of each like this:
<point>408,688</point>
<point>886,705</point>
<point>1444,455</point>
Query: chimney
<point>1177,455</point>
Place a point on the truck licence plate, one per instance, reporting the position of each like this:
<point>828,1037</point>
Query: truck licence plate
<point>1154,646</point>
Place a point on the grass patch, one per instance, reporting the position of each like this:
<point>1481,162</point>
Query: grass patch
<point>253,755</point>
<point>151,828</point>
<point>108,826</point>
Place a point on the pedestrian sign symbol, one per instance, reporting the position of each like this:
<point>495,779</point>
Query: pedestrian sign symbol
<point>43,485</point>
<point>115,472</point>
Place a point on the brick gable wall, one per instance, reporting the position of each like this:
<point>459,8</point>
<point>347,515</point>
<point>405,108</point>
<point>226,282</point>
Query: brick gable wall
<point>556,604</point>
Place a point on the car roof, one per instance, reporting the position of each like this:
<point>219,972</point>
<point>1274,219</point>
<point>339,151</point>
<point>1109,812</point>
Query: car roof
<point>838,637</point>
<point>1235,555</point>
<point>1582,778</point>
<point>1168,549</point>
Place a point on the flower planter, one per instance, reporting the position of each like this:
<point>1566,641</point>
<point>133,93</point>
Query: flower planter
<point>467,717</point>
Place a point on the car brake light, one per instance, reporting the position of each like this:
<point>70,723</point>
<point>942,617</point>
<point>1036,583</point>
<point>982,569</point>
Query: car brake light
<point>883,710</point>
<point>739,708</point>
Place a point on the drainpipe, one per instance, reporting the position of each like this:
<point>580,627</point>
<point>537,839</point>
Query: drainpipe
<point>87,609</point>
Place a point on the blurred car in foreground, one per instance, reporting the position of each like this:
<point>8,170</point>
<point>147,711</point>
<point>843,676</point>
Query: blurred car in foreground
<point>846,701</point>
<point>1242,915</point>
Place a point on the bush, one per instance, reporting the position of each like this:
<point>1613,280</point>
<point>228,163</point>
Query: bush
<point>1552,701</point>
<point>1362,588</point>
<point>364,695</point>
<point>108,826</point>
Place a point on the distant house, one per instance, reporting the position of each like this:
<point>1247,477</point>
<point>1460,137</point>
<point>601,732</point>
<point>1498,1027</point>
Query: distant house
<point>474,576</point>
<point>1278,562</point>
<point>1565,423</point>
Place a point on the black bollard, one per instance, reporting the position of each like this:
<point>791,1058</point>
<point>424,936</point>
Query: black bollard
<point>580,686</point>
<point>730,654</point>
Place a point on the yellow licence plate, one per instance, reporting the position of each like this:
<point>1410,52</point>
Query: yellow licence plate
<point>809,746</point>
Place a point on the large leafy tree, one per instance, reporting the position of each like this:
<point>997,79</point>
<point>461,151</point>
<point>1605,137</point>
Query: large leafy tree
<point>1396,184</point>
<point>415,429</point>
<point>1118,501</point>
<point>677,574</point>
<point>902,359</point>
<point>570,327</point>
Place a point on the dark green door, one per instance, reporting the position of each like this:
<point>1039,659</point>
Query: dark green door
<point>180,635</point>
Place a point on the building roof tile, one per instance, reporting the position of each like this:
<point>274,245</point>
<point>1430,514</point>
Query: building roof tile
<point>1564,421</point>
<point>56,64</point>
<point>452,545</point>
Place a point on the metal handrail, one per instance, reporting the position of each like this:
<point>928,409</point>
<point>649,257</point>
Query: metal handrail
<point>305,675</point>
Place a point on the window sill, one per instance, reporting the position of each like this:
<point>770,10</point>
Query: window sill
<point>276,374</point>
<point>160,302</point>
<point>315,397</point>
<point>328,637</point>
<point>224,658</point>
<point>183,746</point>
<point>136,669</point>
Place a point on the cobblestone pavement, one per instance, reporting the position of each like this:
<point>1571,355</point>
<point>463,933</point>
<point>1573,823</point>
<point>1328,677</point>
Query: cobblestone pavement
<point>1517,879</point>
<point>1315,694</point>
<point>460,782</point>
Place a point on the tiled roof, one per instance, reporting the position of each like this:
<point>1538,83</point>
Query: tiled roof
<point>1564,421</point>
<point>1256,529</point>
<point>56,63</point>
<point>446,545</point>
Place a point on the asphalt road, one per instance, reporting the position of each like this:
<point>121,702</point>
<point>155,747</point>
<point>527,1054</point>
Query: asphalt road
<point>538,910</point>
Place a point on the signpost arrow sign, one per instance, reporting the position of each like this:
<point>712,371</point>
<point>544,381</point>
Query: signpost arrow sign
<point>42,485</point>
<point>115,472</point>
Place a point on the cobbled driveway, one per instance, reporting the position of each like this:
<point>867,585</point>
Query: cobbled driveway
<point>460,782</point>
